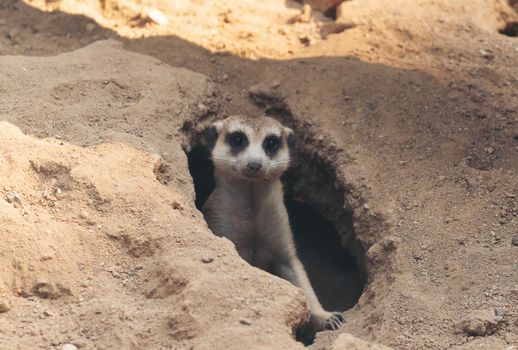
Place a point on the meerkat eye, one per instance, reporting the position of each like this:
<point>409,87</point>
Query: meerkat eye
<point>271,144</point>
<point>237,140</point>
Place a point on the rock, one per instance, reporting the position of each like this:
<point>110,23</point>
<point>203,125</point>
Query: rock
<point>80,343</point>
<point>90,27</point>
<point>486,53</point>
<point>514,241</point>
<point>265,95</point>
<point>335,28</point>
<point>245,321</point>
<point>5,305</point>
<point>158,17</point>
<point>499,312</point>
<point>207,259</point>
<point>14,198</point>
<point>479,323</point>
<point>69,347</point>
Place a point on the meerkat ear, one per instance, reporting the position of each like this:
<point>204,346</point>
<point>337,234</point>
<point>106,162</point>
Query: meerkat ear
<point>210,135</point>
<point>290,138</point>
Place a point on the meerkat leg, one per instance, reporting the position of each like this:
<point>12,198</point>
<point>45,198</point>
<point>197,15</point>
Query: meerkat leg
<point>293,271</point>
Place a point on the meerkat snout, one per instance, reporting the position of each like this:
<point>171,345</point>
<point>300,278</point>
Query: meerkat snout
<point>254,166</point>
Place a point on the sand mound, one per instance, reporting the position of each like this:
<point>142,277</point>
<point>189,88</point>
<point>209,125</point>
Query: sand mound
<point>95,244</point>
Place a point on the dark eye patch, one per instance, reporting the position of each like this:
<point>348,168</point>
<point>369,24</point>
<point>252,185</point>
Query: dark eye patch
<point>237,141</point>
<point>271,144</point>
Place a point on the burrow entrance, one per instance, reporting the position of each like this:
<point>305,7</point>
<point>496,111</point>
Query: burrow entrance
<point>321,223</point>
<point>510,29</point>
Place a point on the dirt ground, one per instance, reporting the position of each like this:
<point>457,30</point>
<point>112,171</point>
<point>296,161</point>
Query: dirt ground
<point>407,120</point>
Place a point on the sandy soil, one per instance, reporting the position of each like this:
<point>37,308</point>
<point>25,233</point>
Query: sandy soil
<point>406,115</point>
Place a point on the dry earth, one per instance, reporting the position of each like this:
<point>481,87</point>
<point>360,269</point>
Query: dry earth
<point>406,114</point>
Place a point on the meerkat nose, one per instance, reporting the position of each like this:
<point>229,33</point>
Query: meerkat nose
<point>254,166</point>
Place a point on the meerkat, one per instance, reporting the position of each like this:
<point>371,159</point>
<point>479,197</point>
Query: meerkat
<point>247,204</point>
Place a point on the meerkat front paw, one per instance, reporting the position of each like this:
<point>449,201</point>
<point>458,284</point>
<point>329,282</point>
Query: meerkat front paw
<point>327,320</point>
<point>334,321</point>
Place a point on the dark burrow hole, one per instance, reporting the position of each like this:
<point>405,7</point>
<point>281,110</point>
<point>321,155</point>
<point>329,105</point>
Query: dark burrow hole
<point>510,29</point>
<point>333,271</point>
<point>331,12</point>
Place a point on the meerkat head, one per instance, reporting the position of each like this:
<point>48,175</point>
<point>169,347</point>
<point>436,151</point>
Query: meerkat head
<point>250,148</point>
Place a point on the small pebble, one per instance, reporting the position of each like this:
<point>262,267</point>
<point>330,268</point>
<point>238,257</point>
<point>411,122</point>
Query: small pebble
<point>158,17</point>
<point>515,241</point>
<point>207,259</point>
<point>5,305</point>
<point>69,347</point>
<point>90,27</point>
<point>480,323</point>
<point>14,198</point>
<point>245,321</point>
<point>485,53</point>
<point>499,312</point>
<point>80,343</point>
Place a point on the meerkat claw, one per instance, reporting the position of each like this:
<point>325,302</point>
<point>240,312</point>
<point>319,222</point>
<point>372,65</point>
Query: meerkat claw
<point>335,321</point>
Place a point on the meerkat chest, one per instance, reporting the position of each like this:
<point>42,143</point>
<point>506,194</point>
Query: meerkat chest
<point>253,218</point>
